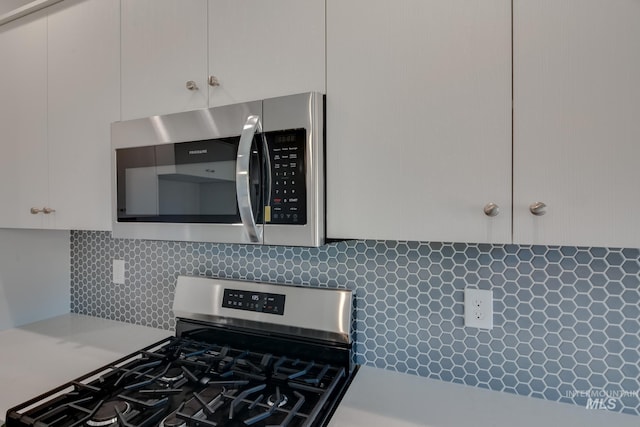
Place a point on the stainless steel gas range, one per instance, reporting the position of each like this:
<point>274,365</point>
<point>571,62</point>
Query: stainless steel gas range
<point>244,354</point>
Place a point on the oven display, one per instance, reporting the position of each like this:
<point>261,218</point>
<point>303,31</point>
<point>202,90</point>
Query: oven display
<point>254,301</point>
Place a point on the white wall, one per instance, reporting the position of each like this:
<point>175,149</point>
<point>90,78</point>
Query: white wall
<point>34,275</point>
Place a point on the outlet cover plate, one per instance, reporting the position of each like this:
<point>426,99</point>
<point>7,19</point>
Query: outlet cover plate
<point>478,308</point>
<point>118,271</point>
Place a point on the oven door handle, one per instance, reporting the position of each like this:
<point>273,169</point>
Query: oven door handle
<point>243,184</point>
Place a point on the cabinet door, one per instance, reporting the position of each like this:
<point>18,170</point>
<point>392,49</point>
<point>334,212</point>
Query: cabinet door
<point>262,49</point>
<point>164,45</point>
<point>23,121</point>
<point>576,121</point>
<point>419,119</point>
<point>83,101</point>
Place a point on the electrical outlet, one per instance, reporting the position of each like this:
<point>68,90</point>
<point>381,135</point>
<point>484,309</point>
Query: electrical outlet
<point>118,271</point>
<point>478,308</point>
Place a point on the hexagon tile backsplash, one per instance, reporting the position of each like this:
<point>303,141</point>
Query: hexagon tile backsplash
<point>566,319</point>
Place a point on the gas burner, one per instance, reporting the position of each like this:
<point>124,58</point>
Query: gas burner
<point>106,415</point>
<point>172,421</point>
<point>271,400</point>
<point>211,397</point>
<point>173,375</point>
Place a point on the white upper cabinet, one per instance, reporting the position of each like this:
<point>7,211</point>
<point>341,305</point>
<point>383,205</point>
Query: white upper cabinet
<point>23,121</point>
<point>190,54</point>
<point>83,100</point>
<point>164,53</point>
<point>419,119</point>
<point>59,95</point>
<point>261,49</point>
<point>577,122</point>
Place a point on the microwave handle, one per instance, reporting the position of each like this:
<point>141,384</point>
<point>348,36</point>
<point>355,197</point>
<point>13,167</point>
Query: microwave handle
<point>268,174</point>
<point>243,190</point>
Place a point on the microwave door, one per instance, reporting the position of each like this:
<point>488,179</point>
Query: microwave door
<point>248,180</point>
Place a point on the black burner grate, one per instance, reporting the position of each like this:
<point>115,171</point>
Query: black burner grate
<point>190,383</point>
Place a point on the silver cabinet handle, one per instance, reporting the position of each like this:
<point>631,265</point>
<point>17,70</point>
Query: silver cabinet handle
<point>191,85</point>
<point>242,178</point>
<point>213,81</point>
<point>45,210</point>
<point>491,209</point>
<point>537,208</point>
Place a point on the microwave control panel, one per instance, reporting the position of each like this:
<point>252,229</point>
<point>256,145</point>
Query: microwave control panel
<point>288,198</point>
<point>261,302</point>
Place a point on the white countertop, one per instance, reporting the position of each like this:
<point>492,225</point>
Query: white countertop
<point>38,357</point>
<point>384,398</point>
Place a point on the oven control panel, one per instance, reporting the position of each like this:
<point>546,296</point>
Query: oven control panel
<point>260,302</point>
<point>288,198</point>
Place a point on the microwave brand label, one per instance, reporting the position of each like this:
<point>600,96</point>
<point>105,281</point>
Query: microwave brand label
<point>193,152</point>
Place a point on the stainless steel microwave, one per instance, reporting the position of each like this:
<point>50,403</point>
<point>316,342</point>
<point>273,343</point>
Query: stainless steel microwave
<point>243,173</point>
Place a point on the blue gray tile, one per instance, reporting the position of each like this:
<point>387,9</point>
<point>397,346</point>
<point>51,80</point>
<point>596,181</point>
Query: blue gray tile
<point>566,322</point>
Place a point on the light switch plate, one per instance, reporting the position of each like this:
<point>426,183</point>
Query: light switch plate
<point>118,271</point>
<point>478,308</point>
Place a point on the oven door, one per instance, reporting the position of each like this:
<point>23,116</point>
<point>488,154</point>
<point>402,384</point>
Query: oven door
<point>194,176</point>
